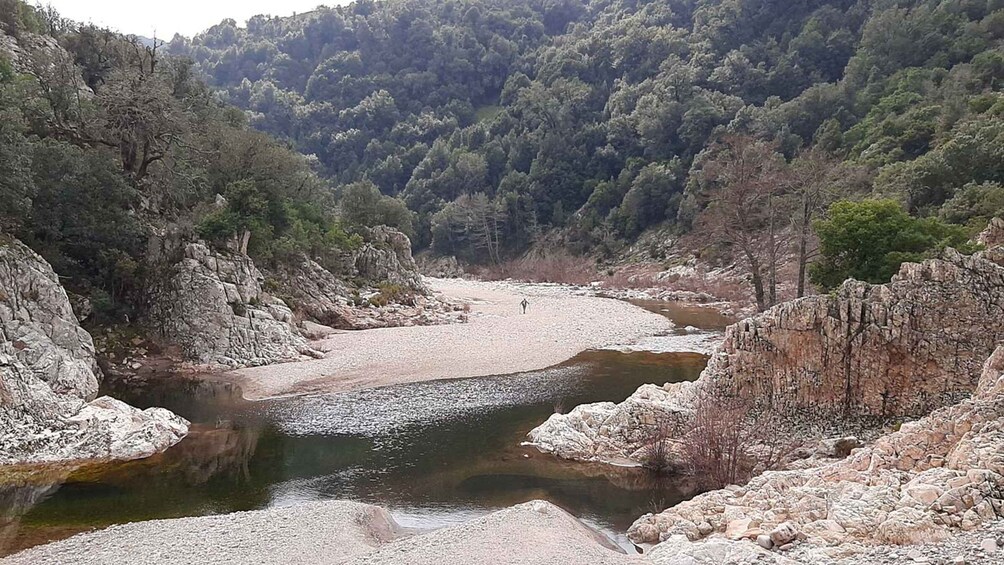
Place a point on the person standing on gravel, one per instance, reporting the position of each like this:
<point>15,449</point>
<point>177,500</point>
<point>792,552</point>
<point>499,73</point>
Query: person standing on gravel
<point>524,304</point>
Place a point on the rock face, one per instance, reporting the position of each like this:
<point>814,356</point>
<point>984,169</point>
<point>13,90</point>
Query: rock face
<point>872,351</point>
<point>386,256</point>
<point>213,306</point>
<point>317,294</point>
<point>49,378</point>
<point>993,235</point>
<point>935,476</point>
<point>865,355</point>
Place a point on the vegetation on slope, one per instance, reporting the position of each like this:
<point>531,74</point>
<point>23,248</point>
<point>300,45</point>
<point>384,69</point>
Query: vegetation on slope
<point>109,148</point>
<point>498,121</point>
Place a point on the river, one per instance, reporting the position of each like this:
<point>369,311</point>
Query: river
<point>434,453</point>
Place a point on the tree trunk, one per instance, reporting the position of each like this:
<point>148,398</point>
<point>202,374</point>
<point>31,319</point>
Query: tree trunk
<point>757,281</point>
<point>245,239</point>
<point>803,244</point>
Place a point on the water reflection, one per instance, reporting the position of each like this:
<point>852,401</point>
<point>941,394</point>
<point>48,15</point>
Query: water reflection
<point>435,453</point>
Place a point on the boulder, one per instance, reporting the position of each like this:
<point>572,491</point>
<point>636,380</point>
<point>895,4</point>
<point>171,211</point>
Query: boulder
<point>941,474</point>
<point>609,432</point>
<point>49,378</point>
<point>212,304</point>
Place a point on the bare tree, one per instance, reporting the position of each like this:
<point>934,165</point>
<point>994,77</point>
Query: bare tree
<point>743,180</point>
<point>811,191</point>
<point>728,442</point>
<point>816,180</point>
<point>133,109</point>
<point>483,220</point>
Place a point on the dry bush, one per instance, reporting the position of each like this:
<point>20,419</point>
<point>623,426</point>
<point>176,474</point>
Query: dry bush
<point>658,456</point>
<point>729,442</point>
<point>559,406</point>
<point>552,268</point>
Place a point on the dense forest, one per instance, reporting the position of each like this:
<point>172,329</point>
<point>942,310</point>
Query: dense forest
<point>109,148</point>
<point>763,131</point>
<point>496,122</point>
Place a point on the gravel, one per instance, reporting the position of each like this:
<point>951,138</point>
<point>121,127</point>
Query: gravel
<point>498,339</point>
<point>337,532</point>
<point>320,532</point>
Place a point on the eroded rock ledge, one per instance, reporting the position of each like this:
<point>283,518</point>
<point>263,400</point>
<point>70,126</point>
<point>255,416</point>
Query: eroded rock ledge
<point>862,356</point>
<point>49,378</point>
<point>935,476</point>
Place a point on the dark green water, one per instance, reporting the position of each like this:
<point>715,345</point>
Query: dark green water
<point>434,453</point>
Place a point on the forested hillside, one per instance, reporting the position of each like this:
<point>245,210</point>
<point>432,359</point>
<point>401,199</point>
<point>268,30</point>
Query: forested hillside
<point>496,121</point>
<point>114,153</point>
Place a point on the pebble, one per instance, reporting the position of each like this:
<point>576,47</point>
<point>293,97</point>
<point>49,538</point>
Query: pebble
<point>764,541</point>
<point>989,545</point>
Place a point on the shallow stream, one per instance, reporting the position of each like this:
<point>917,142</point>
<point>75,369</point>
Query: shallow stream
<point>434,453</point>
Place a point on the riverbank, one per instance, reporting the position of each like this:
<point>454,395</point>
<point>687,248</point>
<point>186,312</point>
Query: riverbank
<point>338,532</point>
<point>497,339</point>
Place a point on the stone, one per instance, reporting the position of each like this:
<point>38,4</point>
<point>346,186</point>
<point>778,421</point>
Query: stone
<point>49,378</point>
<point>212,304</point>
<point>838,447</point>
<point>989,545</point>
<point>764,541</point>
<point>784,533</point>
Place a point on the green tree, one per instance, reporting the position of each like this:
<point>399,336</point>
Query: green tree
<point>869,240</point>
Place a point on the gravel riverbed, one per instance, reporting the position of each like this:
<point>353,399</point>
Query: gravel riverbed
<point>498,339</point>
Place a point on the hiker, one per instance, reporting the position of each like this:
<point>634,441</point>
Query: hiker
<point>524,304</point>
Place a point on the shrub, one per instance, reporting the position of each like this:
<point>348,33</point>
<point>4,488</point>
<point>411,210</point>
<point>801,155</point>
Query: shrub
<point>393,294</point>
<point>729,443</point>
<point>869,240</point>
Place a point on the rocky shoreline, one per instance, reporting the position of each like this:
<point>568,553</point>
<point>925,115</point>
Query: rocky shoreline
<point>49,379</point>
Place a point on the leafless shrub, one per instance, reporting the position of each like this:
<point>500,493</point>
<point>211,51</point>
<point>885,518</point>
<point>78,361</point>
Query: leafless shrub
<point>554,267</point>
<point>658,455</point>
<point>559,406</point>
<point>729,442</point>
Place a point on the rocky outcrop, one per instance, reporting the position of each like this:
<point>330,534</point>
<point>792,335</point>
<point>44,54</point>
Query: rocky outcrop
<point>439,267</point>
<point>318,295</point>
<point>386,257</point>
<point>993,235</point>
<point>934,477</point>
<point>616,433</point>
<point>870,351</point>
<point>212,305</point>
<point>49,378</point>
<point>862,356</point>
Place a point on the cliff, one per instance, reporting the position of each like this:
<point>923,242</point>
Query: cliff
<point>864,355</point>
<point>49,378</point>
<point>935,477</point>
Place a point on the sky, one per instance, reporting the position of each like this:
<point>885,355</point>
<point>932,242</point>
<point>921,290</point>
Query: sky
<point>167,17</point>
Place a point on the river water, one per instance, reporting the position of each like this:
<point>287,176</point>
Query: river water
<point>434,453</point>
